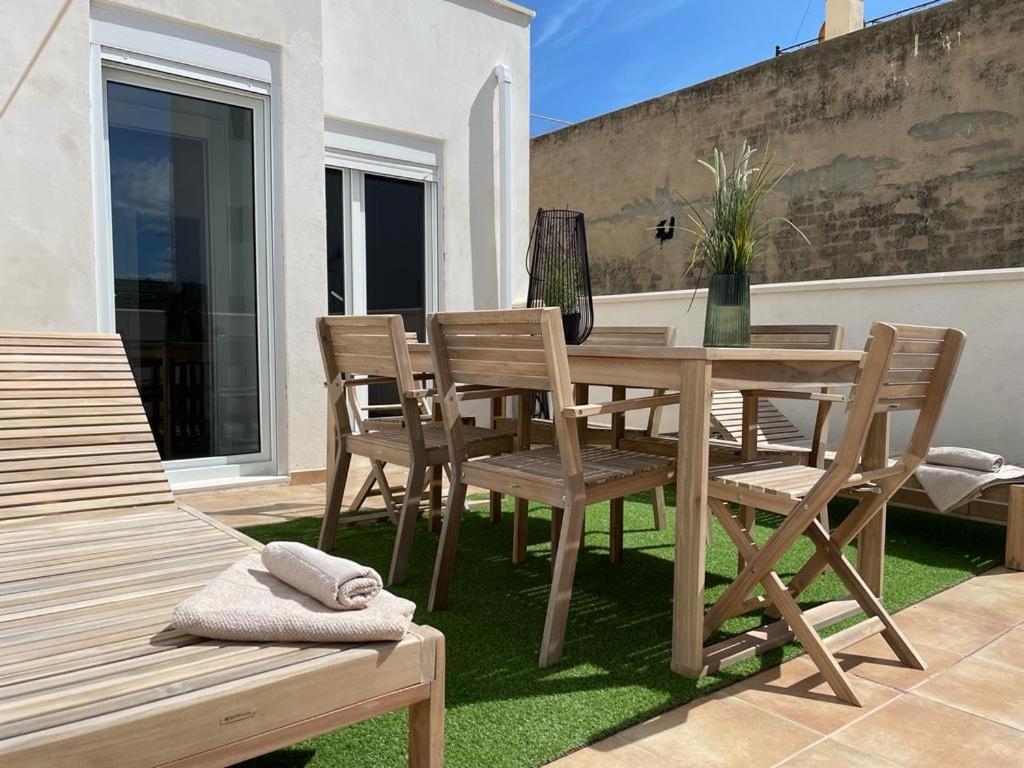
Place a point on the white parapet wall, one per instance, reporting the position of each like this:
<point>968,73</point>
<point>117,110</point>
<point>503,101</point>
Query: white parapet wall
<point>986,406</point>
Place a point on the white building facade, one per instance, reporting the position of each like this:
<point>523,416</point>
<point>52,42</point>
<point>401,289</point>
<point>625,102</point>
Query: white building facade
<point>208,178</point>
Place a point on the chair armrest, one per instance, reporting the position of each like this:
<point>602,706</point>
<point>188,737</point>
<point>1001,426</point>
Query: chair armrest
<point>419,394</point>
<point>796,394</point>
<point>365,381</point>
<point>618,406</point>
<point>489,393</point>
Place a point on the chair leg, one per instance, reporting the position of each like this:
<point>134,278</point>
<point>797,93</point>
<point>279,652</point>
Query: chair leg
<point>867,599</point>
<point>363,492</point>
<point>332,507</point>
<point>615,531</point>
<point>748,519</point>
<point>658,505</point>
<point>444,563</point>
<point>557,516</point>
<point>495,507</point>
<point>776,591</point>
<point>520,522</point>
<point>561,584</point>
<point>407,523</point>
<point>436,473</point>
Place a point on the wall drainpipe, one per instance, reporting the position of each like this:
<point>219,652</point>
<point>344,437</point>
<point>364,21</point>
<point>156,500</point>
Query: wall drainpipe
<point>504,77</point>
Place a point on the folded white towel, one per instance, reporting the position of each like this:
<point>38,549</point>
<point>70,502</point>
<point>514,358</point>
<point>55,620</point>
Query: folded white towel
<point>334,581</point>
<point>952,487</point>
<point>965,458</point>
<point>248,603</point>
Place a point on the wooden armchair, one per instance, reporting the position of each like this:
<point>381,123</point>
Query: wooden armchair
<point>363,350</point>
<point>906,368</point>
<point>526,348</point>
<point>542,432</point>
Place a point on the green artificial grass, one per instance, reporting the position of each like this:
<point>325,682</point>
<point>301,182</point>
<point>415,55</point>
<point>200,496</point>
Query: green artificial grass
<point>504,712</point>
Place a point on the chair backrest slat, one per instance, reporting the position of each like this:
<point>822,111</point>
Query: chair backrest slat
<point>796,336</point>
<point>907,378</point>
<point>772,425</point>
<point>504,353</point>
<point>493,348</point>
<point>371,345</point>
<point>73,433</point>
<point>632,336</point>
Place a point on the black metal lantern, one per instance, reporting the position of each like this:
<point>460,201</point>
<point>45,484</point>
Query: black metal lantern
<point>559,272</point>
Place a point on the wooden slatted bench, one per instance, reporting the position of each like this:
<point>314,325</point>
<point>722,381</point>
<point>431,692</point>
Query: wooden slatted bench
<point>95,553</point>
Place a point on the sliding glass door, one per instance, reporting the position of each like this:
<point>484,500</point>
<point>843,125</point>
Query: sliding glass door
<point>188,206</point>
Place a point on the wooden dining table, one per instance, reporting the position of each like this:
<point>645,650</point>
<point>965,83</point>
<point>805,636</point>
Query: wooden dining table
<point>696,372</point>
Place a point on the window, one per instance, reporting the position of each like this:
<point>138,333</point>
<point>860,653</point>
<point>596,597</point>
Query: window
<point>188,199</point>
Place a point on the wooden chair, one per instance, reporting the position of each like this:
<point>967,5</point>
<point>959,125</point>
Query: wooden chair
<point>95,554</point>
<point>906,368</point>
<point>542,431</point>
<point>376,482</point>
<point>359,351</point>
<point>526,348</point>
<point>775,434</point>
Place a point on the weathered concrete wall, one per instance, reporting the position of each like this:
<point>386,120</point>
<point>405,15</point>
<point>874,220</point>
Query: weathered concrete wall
<point>907,144</point>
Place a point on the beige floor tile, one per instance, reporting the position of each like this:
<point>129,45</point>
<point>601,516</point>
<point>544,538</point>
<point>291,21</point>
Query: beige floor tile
<point>798,692</point>
<point>612,752</point>
<point>983,688</point>
<point>1008,649</point>
<point>832,754</point>
<point>873,659</point>
<point>1002,578</point>
<point>979,598</point>
<point>929,624</point>
<point>915,732</point>
<point>720,732</point>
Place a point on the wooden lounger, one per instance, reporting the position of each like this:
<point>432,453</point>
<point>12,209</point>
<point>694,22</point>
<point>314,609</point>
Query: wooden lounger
<point>94,554</point>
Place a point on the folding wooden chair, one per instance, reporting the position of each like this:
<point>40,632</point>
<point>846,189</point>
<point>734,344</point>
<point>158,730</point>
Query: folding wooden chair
<point>773,433</point>
<point>906,368</point>
<point>363,350</point>
<point>526,348</point>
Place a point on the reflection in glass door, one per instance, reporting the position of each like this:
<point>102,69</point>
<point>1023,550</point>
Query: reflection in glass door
<point>186,289</point>
<point>395,250</point>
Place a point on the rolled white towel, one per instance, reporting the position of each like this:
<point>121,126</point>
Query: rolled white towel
<point>965,458</point>
<point>334,581</point>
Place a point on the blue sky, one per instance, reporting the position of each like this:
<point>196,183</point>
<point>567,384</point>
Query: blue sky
<point>594,56</point>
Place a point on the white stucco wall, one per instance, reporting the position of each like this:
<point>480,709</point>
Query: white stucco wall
<point>421,67</point>
<point>426,68</point>
<point>983,408</point>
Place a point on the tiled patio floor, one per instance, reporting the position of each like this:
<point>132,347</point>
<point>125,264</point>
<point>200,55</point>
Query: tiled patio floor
<point>966,710</point>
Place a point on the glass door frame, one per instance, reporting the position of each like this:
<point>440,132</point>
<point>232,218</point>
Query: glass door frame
<point>214,468</point>
<point>354,228</point>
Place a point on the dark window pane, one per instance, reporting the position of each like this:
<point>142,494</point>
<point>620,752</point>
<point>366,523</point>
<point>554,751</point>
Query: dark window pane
<point>395,255</point>
<point>182,199</point>
<point>335,243</point>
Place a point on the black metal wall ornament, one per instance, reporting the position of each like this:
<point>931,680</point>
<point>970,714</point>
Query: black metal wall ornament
<point>559,270</point>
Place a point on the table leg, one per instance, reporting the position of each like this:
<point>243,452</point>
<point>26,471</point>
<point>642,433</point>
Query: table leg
<point>691,519</point>
<point>871,541</point>
<point>520,521</point>
<point>497,410</point>
<point>748,452</point>
<point>615,506</point>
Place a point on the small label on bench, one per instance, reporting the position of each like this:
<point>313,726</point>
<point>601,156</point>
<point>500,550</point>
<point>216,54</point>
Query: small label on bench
<point>237,716</point>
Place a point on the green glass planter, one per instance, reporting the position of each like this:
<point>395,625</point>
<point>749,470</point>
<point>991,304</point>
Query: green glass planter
<point>727,323</point>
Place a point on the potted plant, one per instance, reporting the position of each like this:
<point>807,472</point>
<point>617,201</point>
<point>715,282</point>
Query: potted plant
<point>727,241</point>
<point>562,290</point>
